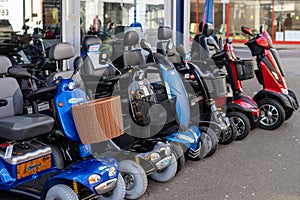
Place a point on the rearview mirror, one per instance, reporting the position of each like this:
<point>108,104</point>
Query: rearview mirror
<point>180,49</point>
<point>247,30</point>
<point>146,45</point>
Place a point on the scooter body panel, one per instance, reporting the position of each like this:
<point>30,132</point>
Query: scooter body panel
<point>64,100</point>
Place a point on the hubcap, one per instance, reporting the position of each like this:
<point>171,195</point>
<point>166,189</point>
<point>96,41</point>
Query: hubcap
<point>227,135</point>
<point>129,180</point>
<point>239,124</point>
<point>269,115</point>
<point>208,142</point>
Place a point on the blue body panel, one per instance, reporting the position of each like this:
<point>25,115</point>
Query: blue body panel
<point>68,98</point>
<point>177,88</point>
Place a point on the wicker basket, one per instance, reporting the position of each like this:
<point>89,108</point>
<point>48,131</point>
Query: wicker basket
<point>98,120</point>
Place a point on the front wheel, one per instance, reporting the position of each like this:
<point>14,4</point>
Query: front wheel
<point>166,174</point>
<point>176,148</point>
<point>288,114</point>
<point>229,135</point>
<point>242,124</point>
<point>62,192</point>
<point>135,179</point>
<point>272,114</point>
<point>211,141</point>
<point>118,193</point>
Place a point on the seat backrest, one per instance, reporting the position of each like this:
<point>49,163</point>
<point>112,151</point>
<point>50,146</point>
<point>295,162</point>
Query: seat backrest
<point>5,63</point>
<point>94,62</point>
<point>204,45</point>
<point>61,51</point>
<point>131,56</point>
<point>11,92</point>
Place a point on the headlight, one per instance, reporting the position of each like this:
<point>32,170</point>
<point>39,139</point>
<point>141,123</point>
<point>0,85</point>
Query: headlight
<point>94,178</point>
<point>112,172</point>
<point>154,157</point>
<point>166,149</point>
<point>71,85</point>
<point>285,91</point>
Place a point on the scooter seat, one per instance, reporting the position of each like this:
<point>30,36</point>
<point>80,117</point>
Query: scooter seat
<point>25,126</point>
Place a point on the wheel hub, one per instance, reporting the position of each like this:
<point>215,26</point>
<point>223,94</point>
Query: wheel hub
<point>269,115</point>
<point>129,181</point>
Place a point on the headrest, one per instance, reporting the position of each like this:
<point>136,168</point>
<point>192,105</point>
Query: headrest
<point>131,38</point>
<point>164,33</point>
<point>208,29</point>
<point>119,31</point>
<point>89,40</point>
<point>61,51</point>
<point>5,63</point>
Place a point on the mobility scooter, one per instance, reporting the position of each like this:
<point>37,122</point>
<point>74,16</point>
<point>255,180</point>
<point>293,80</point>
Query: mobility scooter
<point>28,166</point>
<point>137,156</point>
<point>275,101</point>
<point>206,86</point>
<point>242,109</point>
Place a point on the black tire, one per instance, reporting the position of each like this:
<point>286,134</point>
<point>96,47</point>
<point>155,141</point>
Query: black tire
<point>57,157</point>
<point>242,124</point>
<point>135,179</point>
<point>213,138</point>
<point>118,193</point>
<point>176,148</point>
<point>288,114</point>
<point>166,174</point>
<point>230,135</point>
<point>62,192</point>
<point>272,114</point>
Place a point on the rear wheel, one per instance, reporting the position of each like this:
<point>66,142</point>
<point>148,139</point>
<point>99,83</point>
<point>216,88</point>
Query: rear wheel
<point>241,122</point>
<point>272,114</point>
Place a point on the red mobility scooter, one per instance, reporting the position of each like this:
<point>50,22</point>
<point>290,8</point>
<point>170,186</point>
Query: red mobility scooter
<point>276,102</point>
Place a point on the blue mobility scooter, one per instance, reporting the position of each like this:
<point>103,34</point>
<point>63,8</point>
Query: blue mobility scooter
<point>28,165</point>
<point>157,159</point>
<point>100,79</point>
<point>205,87</point>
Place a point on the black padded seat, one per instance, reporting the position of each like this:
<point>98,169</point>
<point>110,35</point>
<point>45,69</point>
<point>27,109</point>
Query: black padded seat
<point>25,126</point>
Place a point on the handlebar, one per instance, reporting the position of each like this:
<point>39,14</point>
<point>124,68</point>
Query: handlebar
<point>40,93</point>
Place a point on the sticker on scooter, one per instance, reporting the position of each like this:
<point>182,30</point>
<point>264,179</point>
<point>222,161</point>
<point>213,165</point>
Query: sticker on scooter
<point>75,100</point>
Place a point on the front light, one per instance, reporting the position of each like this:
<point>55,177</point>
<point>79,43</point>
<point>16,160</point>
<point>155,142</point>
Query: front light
<point>112,172</point>
<point>154,157</point>
<point>71,85</point>
<point>94,178</point>
<point>167,150</point>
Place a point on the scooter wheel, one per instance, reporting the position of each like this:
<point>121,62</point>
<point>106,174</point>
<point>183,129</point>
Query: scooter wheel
<point>135,179</point>
<point>61,191</point>
<point>288,114</point>
<point>213,140</point>
<point>118,193</point>
<point>166,174</point>
<point>176,148</point>
<point>272,114</point>
<point>230,135</point>
<point>242,124</point>
<point>57,156</point>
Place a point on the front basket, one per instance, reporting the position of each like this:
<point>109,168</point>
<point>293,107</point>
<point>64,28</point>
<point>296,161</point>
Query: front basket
<point>98,120</point>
